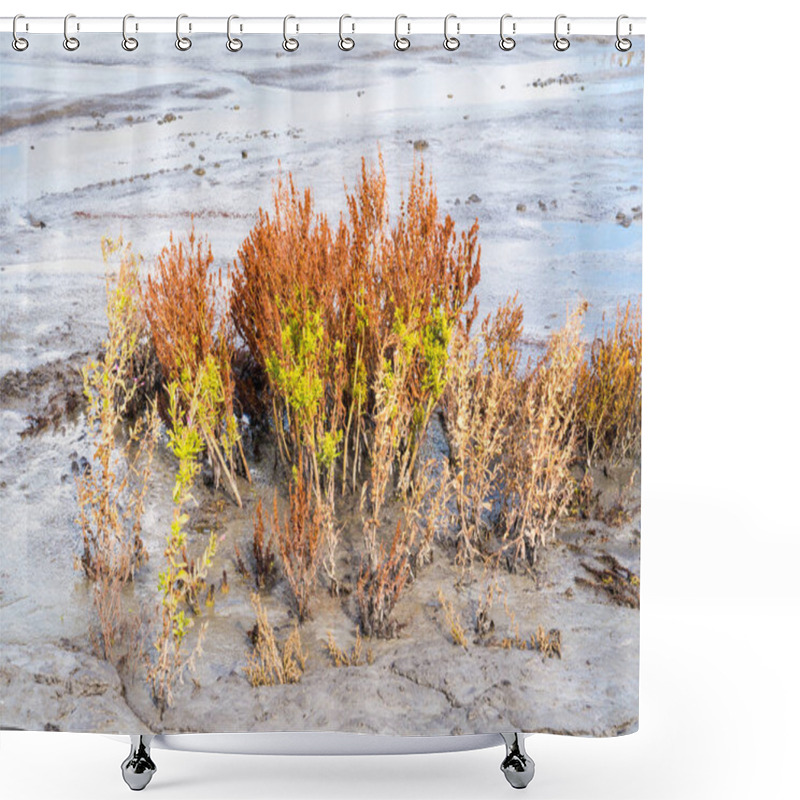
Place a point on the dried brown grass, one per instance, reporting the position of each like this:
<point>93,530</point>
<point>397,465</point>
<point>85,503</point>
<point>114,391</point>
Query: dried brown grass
<point>610,390</point>
<point>271,662</point>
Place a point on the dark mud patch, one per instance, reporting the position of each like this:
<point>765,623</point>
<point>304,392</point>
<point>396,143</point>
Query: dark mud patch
<point>50,393</point>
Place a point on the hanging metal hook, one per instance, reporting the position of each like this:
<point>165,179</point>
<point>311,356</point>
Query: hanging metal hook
<point>70,42</point>
<point>345,42</point>
<point>289,45</point>
<point>234,45</point>
<point>400,42</point>
<point>451,42</point>
<point>181,42</point>
<point>506,42</point>
<point>623,45</point>
<point>19,44</point>
<point>128,42</point>
<point>561,43</point>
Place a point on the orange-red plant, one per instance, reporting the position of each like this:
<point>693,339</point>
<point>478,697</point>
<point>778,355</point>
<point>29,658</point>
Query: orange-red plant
<point>190,332</point>
<point>299,539</point>
<point>316,305</point>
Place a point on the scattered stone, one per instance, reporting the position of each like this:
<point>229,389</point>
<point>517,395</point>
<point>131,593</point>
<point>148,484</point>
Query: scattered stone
<point>81,466</point>
<point>473,198</point>
<point>192,144</point>
<point>623,219</point>
<point>420,144</point>
<point>244,153</point>
<point>522,208</point>
<point>169,117</point>
<point>200,171</point>
<point>542,205</point>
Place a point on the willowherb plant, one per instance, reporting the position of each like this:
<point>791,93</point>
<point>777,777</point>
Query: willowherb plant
<point>189,326</point>
<point>610,389</point>
<point>111,492</point>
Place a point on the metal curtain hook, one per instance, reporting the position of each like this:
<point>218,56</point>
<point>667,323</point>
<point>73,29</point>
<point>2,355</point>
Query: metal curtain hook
<point>181,42</point>
<point>70,42</point>
<point>128,42</point>
<point>623,45</point>
<point>289,45</point>
<point>234,45</point>
<point>19,44</point>
<point>345,42</point>
<point>451,42</point>
<point>561,43</point>
<point>400,42</point>
<point>506,42</point>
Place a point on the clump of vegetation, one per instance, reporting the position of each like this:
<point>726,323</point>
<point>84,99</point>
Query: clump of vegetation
<point>263,558</point>
<point>356,657</point>
<point>321,307</point>
<point>270,662</point>
<point>548,643</point>
<point>537,482</point>
<point>610,390</point>
<point>111,490</point>
<point>183,579</point>
<point>619,583</point>
<point>453,622</point>
<point>381,581</point>
<point>190,331</point>
<point>298,537</point>
<point>479,407</point>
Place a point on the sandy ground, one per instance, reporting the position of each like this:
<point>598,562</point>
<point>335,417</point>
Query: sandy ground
<point>544,148</point>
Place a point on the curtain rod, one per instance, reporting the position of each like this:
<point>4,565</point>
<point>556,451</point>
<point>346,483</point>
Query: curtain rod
<point>407,26</point>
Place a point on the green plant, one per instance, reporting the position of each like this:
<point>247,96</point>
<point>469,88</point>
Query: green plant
<point>112,491</point>
<point>183,579</point>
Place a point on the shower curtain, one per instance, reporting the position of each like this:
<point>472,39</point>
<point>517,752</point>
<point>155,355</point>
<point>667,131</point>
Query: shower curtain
<point>321,386</point>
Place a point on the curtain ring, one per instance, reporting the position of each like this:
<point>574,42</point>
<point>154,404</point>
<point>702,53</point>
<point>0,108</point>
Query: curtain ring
<point>345,42</point>
<point>234,45</point>
<point>289,45</point>
<point>19,44</point>
<point>623,45</point>
<point>400,42</point>
<point>181,42</point>
<point>128,42</point>
<point>506,42</point>
<point>70,42</point>
<point>450,42</point>
<point>561,43</point>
